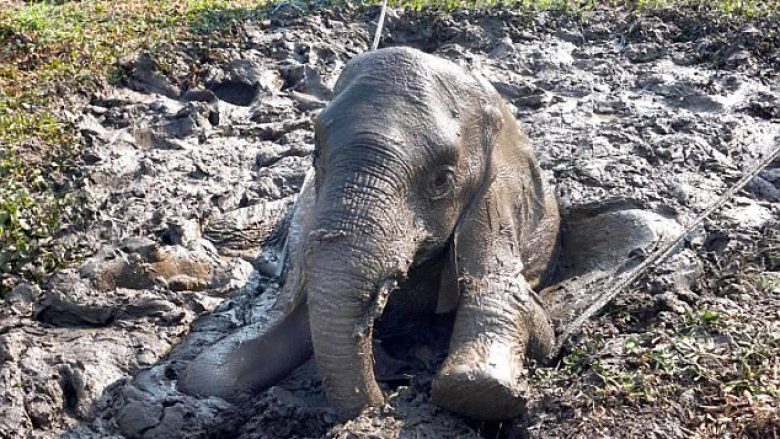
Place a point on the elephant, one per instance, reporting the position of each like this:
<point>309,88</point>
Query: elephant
<point>425,196</point>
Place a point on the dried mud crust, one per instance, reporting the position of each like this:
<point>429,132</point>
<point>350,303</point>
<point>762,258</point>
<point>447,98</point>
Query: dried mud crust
<point>194,161</point>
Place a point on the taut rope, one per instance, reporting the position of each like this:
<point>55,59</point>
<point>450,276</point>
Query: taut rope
<point>664,251</point>
<point>379,25</point>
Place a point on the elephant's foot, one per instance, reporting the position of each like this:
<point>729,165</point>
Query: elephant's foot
<point>249,360</point>
<point>498,323</point>
<point>209,376</point>
<point>482,381</point>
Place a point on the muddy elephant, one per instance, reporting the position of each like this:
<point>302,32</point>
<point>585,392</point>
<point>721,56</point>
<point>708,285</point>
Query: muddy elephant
<point>424,194</point>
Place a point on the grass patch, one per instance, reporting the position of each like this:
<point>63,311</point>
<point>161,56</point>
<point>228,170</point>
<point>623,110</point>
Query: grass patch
<point>724,364</point>
<point>31,211</point>
<point>714,365</point>
<point>48,51</point>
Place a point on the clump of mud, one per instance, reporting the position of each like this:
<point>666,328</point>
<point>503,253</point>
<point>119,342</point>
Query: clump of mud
<point>191,174</point>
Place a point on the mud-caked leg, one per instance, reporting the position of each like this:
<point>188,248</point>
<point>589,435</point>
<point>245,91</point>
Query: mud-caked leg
<point>498,323</point>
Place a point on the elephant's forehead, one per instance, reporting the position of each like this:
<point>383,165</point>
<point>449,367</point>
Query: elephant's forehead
<point>398,116</point>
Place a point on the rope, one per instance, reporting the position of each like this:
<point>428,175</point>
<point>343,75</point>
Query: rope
<point>664,251</point>
<point>381,23</point>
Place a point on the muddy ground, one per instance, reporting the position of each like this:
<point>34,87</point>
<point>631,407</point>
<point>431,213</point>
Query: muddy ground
<point>195,157</point>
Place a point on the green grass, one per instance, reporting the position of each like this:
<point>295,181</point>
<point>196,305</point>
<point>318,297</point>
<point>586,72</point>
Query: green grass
<point>30,211</point>
<point>721,358</point>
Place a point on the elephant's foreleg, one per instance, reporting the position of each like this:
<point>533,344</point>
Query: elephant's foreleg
<point>498,322</point>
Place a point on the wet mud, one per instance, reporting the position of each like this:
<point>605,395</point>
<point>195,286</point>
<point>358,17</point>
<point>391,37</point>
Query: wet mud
<point>191,171</point>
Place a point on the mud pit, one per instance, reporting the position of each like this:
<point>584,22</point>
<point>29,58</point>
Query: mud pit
<point>191,175</point>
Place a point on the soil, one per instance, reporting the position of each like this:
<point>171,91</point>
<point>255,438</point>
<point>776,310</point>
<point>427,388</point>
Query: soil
<point>195,157</point>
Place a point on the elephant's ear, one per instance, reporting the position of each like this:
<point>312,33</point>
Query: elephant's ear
<point>510,226</point>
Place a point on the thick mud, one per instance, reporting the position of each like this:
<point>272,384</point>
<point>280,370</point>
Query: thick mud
<point>194,161</point>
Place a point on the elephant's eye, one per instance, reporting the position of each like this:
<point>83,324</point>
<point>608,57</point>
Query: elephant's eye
<point>442,183</point>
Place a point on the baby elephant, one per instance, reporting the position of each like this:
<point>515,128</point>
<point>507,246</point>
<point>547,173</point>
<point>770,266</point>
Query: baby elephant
<point>424,192</point>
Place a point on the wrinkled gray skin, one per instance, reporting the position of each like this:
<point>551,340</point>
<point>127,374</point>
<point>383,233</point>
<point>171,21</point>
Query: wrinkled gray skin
<point>423,179</point>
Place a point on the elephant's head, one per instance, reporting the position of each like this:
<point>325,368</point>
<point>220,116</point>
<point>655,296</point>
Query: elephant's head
<point>414,157</point>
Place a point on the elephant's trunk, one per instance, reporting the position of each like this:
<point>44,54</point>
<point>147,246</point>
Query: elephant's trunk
<point>341,297</point>
<point>347,262</point>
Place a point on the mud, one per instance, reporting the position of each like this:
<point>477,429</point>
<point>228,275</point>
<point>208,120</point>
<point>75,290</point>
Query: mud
<point>190,174</point>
